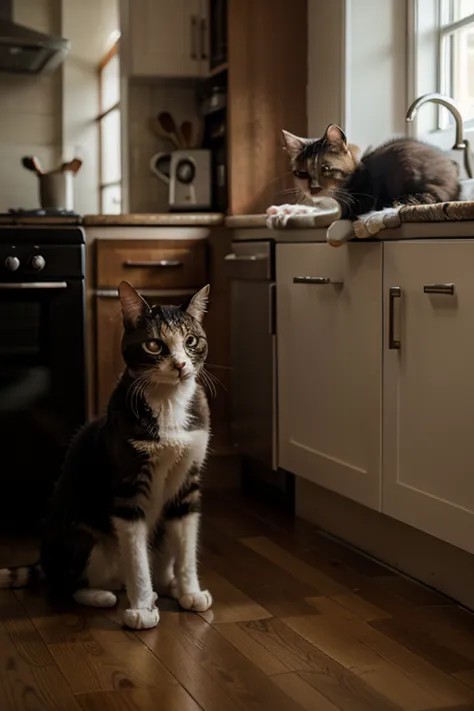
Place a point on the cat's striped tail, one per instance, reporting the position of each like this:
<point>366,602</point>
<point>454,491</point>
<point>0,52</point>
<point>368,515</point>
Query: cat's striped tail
<point>21,576</point>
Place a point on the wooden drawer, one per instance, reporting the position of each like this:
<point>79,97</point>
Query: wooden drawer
<point>170,264</point>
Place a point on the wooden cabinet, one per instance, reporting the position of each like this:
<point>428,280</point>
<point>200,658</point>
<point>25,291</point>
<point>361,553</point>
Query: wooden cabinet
<point>428,416</point>
<point>267,93</point>
<point>168,39</point>
<point>329,334</point>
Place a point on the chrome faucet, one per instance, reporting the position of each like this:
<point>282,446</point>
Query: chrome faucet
<point>461,143</point>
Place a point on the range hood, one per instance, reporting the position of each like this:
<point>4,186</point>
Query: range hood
<point>26,51</point>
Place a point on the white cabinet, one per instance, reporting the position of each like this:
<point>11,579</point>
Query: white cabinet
<point>428,416</point>
<point>167,39</point>
<point>329,335</point>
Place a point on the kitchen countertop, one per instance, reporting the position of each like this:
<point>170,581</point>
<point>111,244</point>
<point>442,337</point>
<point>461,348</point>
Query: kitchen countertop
<point>177,219</point>
<point>248,228</point>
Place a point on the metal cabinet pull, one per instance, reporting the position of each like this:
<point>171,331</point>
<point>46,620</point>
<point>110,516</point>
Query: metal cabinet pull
<point>194,24</point>
<point>15,286</point>
<point>394,293</point>
<point>203,39</point>
<point>131,264</point>
<point>314,280</point>
<point>244,257</point>
<point>447,289</point>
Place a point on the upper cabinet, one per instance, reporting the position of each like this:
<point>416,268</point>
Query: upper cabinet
<point>167,39</point>
<point>428,438</point>
<point>329,335</point>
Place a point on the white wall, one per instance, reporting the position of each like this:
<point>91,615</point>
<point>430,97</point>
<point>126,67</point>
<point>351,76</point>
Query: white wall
<point>376,86</point>
<point>30,121</point>
<point>358,68</point>
<point>326,53</point>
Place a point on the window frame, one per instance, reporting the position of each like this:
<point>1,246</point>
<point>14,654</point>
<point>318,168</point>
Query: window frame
<point>103,113</point>
<point>447,27</point>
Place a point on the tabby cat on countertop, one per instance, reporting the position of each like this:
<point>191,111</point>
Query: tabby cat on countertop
<point>130,486</point>
<point>401,171</point>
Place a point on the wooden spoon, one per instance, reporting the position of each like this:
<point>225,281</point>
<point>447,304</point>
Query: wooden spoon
<point>187,134</point>
<point>158,131</point>
<point>167,123</point>
<point>73,165</point>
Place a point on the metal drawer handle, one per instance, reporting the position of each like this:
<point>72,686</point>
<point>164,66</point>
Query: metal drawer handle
<point>147,265</point>
<point>314,280</point>
<point>33,285</point>
<point>447,289</point>
<point>394,293</point>
<point>244,257</point>
<point>161,293</point>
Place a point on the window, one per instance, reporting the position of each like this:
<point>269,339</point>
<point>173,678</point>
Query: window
<point>456,54</point>
<point>110,176</point>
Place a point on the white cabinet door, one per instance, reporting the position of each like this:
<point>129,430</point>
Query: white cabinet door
<point>428,462</point>
<point>330,366</point>
<point>166,38</point>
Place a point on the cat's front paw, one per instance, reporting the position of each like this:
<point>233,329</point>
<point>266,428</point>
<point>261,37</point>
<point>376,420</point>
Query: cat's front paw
<point>141,619</point>
<point>277,215</point>
<point>196,602</point>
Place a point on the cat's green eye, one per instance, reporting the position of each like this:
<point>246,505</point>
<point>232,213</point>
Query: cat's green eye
<point>152,347</point>
<point>191,342</point>
<point>301,174</point>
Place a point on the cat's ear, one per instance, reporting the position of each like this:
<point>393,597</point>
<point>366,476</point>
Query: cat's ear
<point>133,305</point>
<point>294,144</point>
<point>334,134</point>
<point>197,304</point>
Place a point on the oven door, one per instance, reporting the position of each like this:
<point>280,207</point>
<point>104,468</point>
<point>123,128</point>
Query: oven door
<point>42,390</point>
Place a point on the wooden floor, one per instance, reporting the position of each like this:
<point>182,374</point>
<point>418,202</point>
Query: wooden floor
<point>299,622</point>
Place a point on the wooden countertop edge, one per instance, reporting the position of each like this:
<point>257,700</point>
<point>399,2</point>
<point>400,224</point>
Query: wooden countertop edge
<point>206,219</point>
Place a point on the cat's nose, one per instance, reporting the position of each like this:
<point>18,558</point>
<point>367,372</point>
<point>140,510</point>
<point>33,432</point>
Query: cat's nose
<point>315,189</point>
<point>180,366</point>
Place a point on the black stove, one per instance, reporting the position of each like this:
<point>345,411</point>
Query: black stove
<point>40,212</point>
<point>42,362</point>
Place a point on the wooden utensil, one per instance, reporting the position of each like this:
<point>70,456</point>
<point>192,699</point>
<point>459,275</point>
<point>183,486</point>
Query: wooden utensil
<point>32,163</point>
<point>73,165</point>
<point>187,134</point>
<point>158,131</point>
<point>167,123</point>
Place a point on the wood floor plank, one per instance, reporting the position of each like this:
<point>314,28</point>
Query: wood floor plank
<point>263,581</point>
<point>347,642</point>
<point>92,652</point>
<point>423,644</point>
<point>360,607</point>
<point>414,592</point>
<point>29,678</point>
<point>230,603</point>
<point>168,699</point>
<point>309,698</point>
<point>239,637</point>
<point>230,671</point>
<point>293,566</point>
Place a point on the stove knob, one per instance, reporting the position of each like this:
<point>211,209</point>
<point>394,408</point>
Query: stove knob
<point>12,263</point>
<point>38,262</point>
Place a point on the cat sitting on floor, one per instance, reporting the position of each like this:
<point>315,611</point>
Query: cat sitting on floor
<point>400,172</point>
<point>130,488</point>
